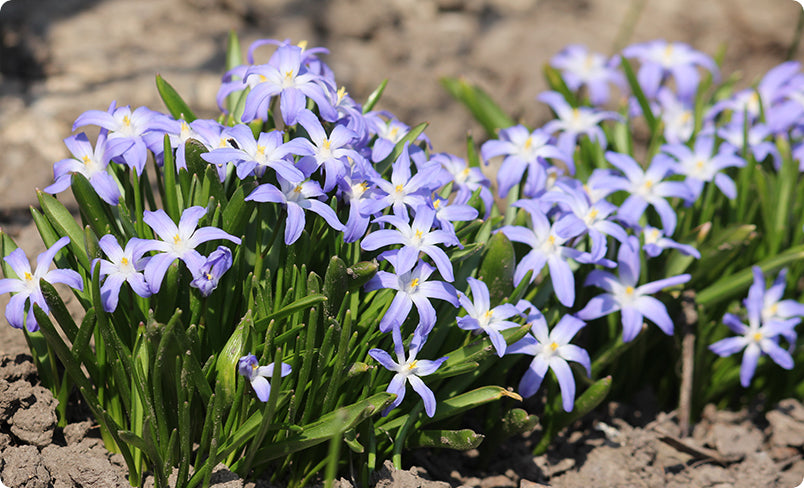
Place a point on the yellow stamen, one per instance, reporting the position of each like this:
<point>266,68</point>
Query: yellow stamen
<point>302,44</point>
<point>528,143</point>
<point>209,277</point>
<point>629,290</point>
<point>552,239</point>
<point>412,364</point>
<point>414,282</point>
<point>436,204</point>
<point>28,276</point>
<point>418,234</point>
<point>126,120</point>
<point>261,150</point>
<point>489,313</point>
<point>341,93</point>
<point>86,160</point>
<point>757,336</point>
<point>326,144</point>
<point>399,188</point>
<point>298,189</point>
<point>176,239</point>
<point>553,346</point>
<point>593,213</point>
<point>124,261</point>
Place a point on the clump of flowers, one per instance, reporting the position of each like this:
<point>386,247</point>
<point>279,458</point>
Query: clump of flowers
<point>310,233</point>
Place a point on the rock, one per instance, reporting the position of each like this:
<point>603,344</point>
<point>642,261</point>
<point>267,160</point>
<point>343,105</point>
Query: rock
<point>24,468</point>
<point>786,424</point>
<point>79,466</point>
<point>75,432</point>
<point>35,424</point>
<point>390,477</point>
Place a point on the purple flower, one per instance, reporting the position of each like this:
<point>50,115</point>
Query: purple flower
<point>656,242</point>
<point>412,289</point>
<point>330,151</point>
<point>257,375</point>
<point>178,242</point>
<point>523,150</point>
<point>403,190</point>
<point>659,58</point>
<point>408,370</point>
<point>546,242</point>
<point>26,286</point>
<point>634,302</point>
<point>123,265</point>
<point>757,142</point>
<point>446,213</point>
<point>480,316</point>
<point>759,336</point>
<point>414,238</point>
<point>388,135</point>
<point>773,307</point>
<point>297,197</point>
<point>287,76</point>
<point>206,277</point>
<point>254,156</point>
<point>91,163</point>
<point>142,129</point>
<point>677,116</point>
<point>645,188</point>
<point>593,215</point>
<point>467,180</point>
<point>700,165</point>
<point>354,188</point>
<point>574,122</point>
<point>581,68</point>
<point>551,350</point>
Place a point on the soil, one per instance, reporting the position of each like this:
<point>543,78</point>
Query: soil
<point>59,58</point>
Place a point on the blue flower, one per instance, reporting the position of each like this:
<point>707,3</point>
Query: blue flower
<point>123,265</point>
<point>412,289</point>
<point>286,75</point>
<point>523,150</point>
<point>330,151</point>
<point>633,302</point>
<point>551,350</point>
<point>480,316</point>
<point>91,163</point>
<point>258,375</point>
<point>297,197</point>
<point>178,242</point>
<point>26,287</point>
<point>414,238</point>
<point>660,58</point>
<point>701,166</point>
<point>573,122</point>
<point>759,336</point>
<point>206,277</point>
<point>656,242</point>
<point>546,241</point>
<point>254,156</point>
<point>581,68</point>
<point>408,370</point>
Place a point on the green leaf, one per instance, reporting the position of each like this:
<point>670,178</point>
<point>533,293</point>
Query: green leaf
<point>193,149</point>
<point>237,211</point>
<point>301,304</point>
<point>483,108</point>
<point>460,440</point>
<point>226,366</point>
<point>234,58</point>
<point>375,96</point>
<point>92,207</point>
<point>64,223</point>
<point>478,350</point>
<point>497,268</point>
<point>59,310</point>
<point>336,283</point>
<point>314,433</point>
<point>556,83</point>
<point>177,107</point>
<point>360,273</point>
<point>636,88</point>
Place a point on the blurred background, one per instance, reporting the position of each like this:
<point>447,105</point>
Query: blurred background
<point>59,58</point>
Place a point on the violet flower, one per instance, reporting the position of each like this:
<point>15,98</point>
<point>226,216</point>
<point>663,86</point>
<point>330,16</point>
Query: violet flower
<point>257,375</point>
<point>207,276</point>
<point>142,129</point>
<point>124,265</point>
<point>551,350</point>
<point>523,150</point>
<point>634,302</point>
<point>330,151</point>
<point>412,289</point>
<point>759,336</point>
<point>178,242</point>
<point>296,197</point>
<point>701,166</point>
<point>659,59</point>
<point>467,180</point>
<point>581,68</point>
<point>655,242</point>
<point>546,242</point>
<point>574,122</point>
<point>254,156</point>
<point>26,286</point>
<point>646,188</point>
<point>415,238</point>
<point>91,163</point>
<point>481,317</point>
<point>403,190</point>
<point>408,369</point>
<point>286,76</point>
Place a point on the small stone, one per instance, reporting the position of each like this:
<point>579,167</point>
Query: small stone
<point>24,468</point>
